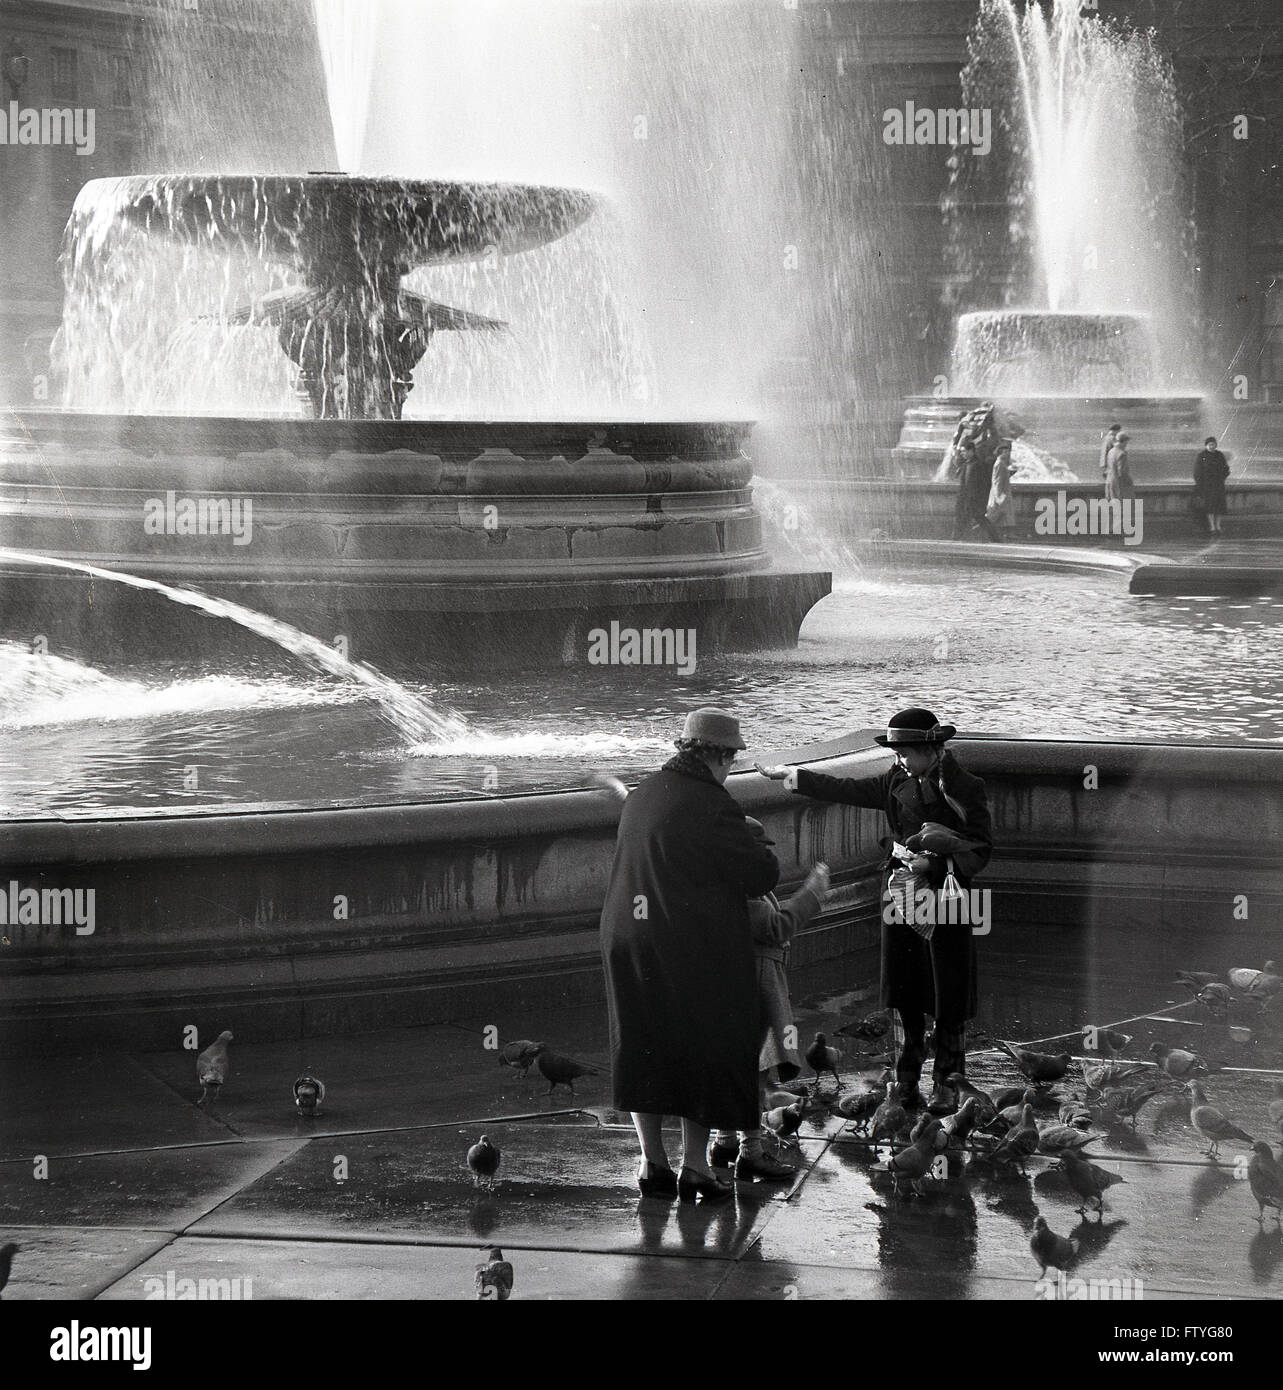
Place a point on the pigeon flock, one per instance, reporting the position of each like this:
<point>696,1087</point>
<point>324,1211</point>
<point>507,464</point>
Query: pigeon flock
<point>991,1134</point>
<point>1048,1114</point>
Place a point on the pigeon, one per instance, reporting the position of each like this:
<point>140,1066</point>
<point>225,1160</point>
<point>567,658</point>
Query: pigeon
<point>860,1109</point>
<point>308,1094</point>
<point>483,1161</point>
<point>1276,1105</point>
<point>1053,1140</point>
<point>1039,1067</point>
<point>1010,1114</point>
<point>1194,980</point>
<point>1114,1040</point>
<point>939,1139</point>
<point>912,1164</point>
<point>1216,997</point>
<point>1211,1123</point>
<point>7,1252</point>
<point>1012,1096</point>
<point>1098,1075</point>
<point>1021,1140</point>
<point>1264,1173</point>
<point>494,1278</point>
<point>1089,1180</point>
<point>821,1058</point>
<point>212,1067</point>
<point>958,1126</point>
<point>561,1071</point>
<point>889,1118</point>
<point>785,1121</point>
<point>1075,1113</point>
<point>1261,985</point>
<point>1049,1248</point>
<point>985,1108</point>
<point>1126,1102</point>
<point>520,1055</point>
<point>870,1029</point>
<point>1176,1062</point>
<point>1267,984</point>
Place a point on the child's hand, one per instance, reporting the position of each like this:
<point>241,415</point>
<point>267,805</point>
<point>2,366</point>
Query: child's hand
<point>818,880</point>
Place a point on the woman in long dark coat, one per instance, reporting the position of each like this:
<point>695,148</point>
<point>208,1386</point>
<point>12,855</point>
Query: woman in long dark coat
<point>928,795</point>
<point>1210,472</point>
<point>681,977</point>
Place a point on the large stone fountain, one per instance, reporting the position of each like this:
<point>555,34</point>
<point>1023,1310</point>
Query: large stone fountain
<point>505,543</point>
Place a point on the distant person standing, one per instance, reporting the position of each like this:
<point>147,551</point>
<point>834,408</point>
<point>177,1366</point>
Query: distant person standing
<point>1107,442</point>
<point>973,494</point>
<point>1118,473</point>
<point>1210,472</point>
<point>1001,511</point>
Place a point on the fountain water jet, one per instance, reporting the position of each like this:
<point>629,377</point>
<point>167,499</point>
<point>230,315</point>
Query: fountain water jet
<point>1098,324</point>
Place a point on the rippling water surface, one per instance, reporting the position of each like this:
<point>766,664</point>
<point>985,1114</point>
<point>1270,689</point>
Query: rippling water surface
<point>1004,652</point>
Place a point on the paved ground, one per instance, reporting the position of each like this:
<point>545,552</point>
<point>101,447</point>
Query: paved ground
<point>371,1199</point>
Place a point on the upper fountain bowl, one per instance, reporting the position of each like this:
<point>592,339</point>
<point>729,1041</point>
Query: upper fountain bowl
<point>1040,352</point>
<point>327,224</point>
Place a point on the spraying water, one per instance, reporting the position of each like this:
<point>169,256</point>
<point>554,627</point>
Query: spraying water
<point>414,720</point>
<point>346,30</point>
<point>1099,221</point>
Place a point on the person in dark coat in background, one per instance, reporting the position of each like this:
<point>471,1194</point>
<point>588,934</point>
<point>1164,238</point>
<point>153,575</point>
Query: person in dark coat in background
<point>974,480</point>
<point>1210,472</point>
<point>939,809</point>
<point>681,978</point>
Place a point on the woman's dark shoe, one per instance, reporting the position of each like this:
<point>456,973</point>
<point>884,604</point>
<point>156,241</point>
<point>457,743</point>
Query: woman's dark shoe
<point>657,1182</point>
<point>691,1185</point>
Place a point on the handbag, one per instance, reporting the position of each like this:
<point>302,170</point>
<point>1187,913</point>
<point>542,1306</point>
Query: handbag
<point>951,897</point>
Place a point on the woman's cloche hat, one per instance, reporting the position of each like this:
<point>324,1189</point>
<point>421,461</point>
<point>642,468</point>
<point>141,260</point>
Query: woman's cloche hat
<point>914,726</point>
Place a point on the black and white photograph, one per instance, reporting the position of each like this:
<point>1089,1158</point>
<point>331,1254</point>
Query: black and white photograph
<point>641,659</point>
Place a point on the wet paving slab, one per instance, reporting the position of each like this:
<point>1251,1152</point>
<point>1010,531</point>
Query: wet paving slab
<point>337,1269</point>
<point>569,1187</point>
<point>75,1262</point>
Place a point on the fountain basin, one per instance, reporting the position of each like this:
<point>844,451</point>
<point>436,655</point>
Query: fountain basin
<point>504,543</point>
<point>462,909</point>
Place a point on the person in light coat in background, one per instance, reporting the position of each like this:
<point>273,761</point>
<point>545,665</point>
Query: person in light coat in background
<point>1118,473</point>
<point>1001,511</point>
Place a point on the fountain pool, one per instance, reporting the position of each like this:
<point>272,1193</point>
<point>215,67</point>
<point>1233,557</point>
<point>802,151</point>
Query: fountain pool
<point>1059,656</point>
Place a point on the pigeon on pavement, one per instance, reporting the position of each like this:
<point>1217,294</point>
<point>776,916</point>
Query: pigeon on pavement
<point>212,1067</point>
<point>308,1094</point>
<point>1051,1249</point>
<point>786,1120</point>
<point>1089,1180</point>
<point>986,1109</point>
<point>1176,1062</point>
<point>483,1161</point>
<point>1039,1067</point>
<point>1265,1175</point>
<point>820,1057</point>
<point>1213,1124</point>
<point>561,1071</point>
<point>890,1117</point>
<point>494,1278</point>
<point>1021,1140</point>
<point>520,1055</point>
<point>1053,1140</point>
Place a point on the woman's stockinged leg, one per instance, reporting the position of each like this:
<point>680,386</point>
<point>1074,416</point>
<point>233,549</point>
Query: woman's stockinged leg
<point>695,1148</point>
<point>650,1133</point>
